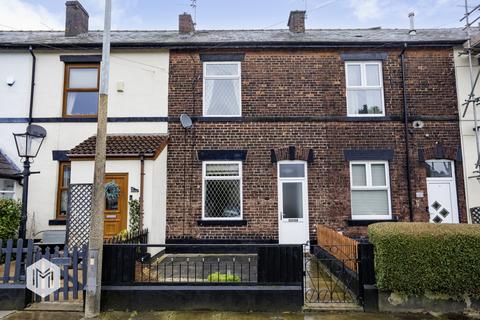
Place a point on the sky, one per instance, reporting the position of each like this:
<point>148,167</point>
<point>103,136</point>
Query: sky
<point>237,14</point>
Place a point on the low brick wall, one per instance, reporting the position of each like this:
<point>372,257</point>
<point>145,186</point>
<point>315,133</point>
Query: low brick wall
<point>13,297</point>
<point>392,302</point>
<point>214,298</point>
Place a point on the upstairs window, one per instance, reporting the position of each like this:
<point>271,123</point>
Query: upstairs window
<point>222,89</point>
<point>370,190</point>
<point>81,90</point>
<point>7,189</point>
<point>364,89</point>
<point>222,190</point>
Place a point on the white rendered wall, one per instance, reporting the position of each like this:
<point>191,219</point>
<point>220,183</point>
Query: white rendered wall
<point>469,150</point>
<point>154,188</point>
<point>145,75</point>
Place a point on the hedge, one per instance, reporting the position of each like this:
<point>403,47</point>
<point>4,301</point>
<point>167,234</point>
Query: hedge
<point>420,258</point>
<point>9,218</point>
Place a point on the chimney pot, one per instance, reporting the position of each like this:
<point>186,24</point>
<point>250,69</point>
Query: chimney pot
<point>185,24</point>
<point>296,21</point>
<point>76,20</point>
<point>412,31</point>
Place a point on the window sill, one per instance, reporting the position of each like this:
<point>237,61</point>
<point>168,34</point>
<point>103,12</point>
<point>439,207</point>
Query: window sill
<point>57,222</point>
<point>364,223</point>
<point>229,223</point>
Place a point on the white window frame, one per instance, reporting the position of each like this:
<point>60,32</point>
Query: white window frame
<point>370,187</point>
<point>205,178</point>
<point>363,86</point>
<point>8,191</point>
<point>237,77</point>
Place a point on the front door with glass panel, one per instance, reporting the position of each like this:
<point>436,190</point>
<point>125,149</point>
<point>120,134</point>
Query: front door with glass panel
<point>292,202</point>
<point>442,191</point>
<point>116,204</point>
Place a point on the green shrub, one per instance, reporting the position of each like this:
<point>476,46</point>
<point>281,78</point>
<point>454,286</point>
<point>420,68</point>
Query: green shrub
<point>134,213</point>
<point>420,258</point>
<point>221,277</point>
<point>10,211</point>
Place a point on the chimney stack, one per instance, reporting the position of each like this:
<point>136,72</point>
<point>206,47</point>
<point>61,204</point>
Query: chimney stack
<point>185,24</point>
<point>76,20</point>
<point>296,21</point>
<point>412,31</point>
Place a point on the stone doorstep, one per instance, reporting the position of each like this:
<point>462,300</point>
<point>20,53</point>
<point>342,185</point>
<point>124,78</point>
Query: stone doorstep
<point>71,306</point>
<point>4,314</point>
<point>332,307</point>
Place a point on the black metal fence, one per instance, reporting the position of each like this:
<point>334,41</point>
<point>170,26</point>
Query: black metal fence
<point>131,237</point>
<point>335,278</point>
<point>125,264</point>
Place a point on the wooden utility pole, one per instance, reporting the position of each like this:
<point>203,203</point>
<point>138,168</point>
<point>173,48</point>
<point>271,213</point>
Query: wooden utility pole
<point>95,242</point>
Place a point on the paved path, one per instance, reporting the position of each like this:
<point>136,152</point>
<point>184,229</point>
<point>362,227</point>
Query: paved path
<point>223,316</point>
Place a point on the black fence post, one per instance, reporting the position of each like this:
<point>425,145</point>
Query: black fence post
<point>366,275</point>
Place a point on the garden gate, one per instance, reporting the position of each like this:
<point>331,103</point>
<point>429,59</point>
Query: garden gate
<point>16,256</point>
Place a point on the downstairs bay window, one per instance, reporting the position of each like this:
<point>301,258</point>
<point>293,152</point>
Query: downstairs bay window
<point>370,190</point>
<point>222,190</point>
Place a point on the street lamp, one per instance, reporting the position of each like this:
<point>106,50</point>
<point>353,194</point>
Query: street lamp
<point>28,144</point>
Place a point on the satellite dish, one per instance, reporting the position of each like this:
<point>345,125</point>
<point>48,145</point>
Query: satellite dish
<point>186,121</point>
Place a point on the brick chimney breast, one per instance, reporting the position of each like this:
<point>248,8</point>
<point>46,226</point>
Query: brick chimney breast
<point>76,19</point>
<point>296,21</point>
<point>185,24</point>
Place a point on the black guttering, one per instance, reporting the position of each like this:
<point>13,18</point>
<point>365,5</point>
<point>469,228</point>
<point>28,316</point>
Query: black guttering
<point>32,85</point>
<point>239,119</point>
<point>407,134</point>
<point>231,45</point>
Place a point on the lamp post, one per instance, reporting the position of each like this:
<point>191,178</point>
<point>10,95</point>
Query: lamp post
<point>28,144</point>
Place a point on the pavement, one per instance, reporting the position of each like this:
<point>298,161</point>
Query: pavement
<point>204,315</point>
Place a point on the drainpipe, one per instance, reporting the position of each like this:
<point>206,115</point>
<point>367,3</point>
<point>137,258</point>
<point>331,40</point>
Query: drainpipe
<point>407,134</point>
<point>32,85</point>
<point>142,178</point>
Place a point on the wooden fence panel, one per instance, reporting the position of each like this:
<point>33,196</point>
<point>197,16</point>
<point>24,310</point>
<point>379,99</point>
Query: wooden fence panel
<point>338,245</point>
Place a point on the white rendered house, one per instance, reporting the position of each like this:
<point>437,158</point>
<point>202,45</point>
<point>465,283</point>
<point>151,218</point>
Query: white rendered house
<point>64,102</point>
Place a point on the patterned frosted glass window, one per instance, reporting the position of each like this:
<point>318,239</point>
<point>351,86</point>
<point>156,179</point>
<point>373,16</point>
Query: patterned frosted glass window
<point>7,189</point>
<point>81,90</point>
<point>222,89</point>
<point>370,190</point>
<point>364,88</point>
<point>222,190</point>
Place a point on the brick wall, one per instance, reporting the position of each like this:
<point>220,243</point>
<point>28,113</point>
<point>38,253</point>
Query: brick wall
<point>309,84</point>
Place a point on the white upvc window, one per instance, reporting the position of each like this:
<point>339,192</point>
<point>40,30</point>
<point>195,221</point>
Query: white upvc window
<point>222,89</point>
<point>222,190</point>
<point>364,89</point>
<point>370,190</point>
<point>7,189</point>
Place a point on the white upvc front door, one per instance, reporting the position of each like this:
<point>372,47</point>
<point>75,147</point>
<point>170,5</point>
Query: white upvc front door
<point>442,191</point>
<point>292,202</point>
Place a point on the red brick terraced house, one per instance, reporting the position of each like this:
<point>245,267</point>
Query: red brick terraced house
<point>294,128</point>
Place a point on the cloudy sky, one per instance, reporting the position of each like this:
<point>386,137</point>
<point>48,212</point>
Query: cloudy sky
<point>236,14</point>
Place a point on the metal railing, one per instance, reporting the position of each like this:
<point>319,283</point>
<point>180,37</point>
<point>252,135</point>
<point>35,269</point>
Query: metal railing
<point>202,264</point>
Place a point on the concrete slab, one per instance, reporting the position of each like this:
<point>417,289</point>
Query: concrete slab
<point>70,306</point>
<point>44,315</point>
<point>3,314</point>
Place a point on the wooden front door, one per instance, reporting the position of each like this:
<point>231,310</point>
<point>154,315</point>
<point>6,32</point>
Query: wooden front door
<point>116,210</point>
